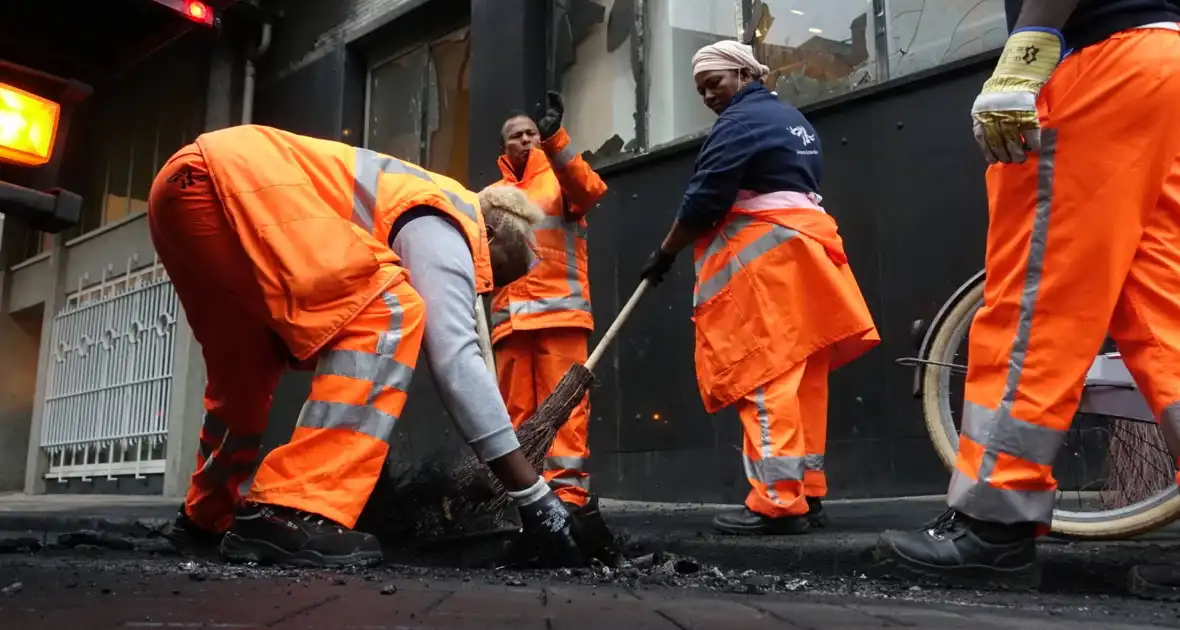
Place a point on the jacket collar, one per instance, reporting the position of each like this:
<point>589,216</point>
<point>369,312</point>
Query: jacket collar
<point>751,91</point>
<point>537,164</point>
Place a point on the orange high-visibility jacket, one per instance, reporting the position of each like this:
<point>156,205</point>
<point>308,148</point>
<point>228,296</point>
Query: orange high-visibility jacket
<point>556,292</point>
<point>315,215</point>
<point>766,299</point>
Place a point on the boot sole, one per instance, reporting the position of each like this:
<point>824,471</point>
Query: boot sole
<point>1146,590</point>
<point>972,576</point>
<point>236,549</point>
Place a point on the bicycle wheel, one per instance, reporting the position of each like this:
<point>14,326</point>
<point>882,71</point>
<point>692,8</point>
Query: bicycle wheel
<point>1118,502</point>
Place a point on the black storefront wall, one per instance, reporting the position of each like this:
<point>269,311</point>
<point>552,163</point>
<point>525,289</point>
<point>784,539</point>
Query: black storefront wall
<point>903,178</point>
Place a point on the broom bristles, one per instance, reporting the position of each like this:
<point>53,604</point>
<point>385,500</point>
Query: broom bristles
<point>432,503</point>
<point>537,433</point>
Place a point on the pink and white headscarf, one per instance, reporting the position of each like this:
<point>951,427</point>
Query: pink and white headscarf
<point>728,55</point>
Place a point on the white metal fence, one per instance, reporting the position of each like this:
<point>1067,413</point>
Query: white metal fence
<point>110,378</point>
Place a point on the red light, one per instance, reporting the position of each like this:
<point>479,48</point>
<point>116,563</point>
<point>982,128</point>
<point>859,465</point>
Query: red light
<point>199,12</point>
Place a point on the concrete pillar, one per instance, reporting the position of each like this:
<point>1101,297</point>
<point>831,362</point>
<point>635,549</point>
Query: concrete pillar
<point>186,409</point>
<point>18,367</point>
<point>36,464</point>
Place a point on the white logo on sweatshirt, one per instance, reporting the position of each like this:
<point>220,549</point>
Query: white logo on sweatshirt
<point>801,133</point>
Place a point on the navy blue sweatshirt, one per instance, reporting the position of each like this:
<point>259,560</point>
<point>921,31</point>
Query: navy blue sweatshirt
<point>1095,20</point>
<point>758,144</point>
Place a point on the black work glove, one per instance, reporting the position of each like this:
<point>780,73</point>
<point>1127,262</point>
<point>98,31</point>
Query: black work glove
<point>550,536</point>
<point>657,266</point>
<point>550,122</point>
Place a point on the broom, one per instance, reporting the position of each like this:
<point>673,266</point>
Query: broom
<point>433,502</point>
<point>537,433</point>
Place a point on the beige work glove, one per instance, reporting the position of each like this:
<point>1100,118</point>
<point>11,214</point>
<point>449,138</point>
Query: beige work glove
<point>1005,112</point>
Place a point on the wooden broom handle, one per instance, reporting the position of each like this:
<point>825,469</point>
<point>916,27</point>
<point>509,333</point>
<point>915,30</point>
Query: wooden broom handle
<point>609,336</point>
<point>485,336</point>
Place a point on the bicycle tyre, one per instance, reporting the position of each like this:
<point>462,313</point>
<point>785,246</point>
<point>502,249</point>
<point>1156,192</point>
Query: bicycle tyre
<point>946,442</point>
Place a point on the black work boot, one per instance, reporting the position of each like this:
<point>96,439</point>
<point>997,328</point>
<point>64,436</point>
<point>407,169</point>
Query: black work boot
<point>816,517</point>
<point>596,538</point>
<point>750,523</point>
<point>959,551</point>
<point>190,539</point>
<point>274,534</point>
<point>1155,582</point>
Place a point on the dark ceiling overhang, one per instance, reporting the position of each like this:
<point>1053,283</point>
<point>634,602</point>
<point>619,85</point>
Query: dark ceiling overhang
<point>91,41</point>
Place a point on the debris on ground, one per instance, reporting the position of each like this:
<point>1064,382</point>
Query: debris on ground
<point>91,540</point>
<point>12,589</point>
<point>19,544</point>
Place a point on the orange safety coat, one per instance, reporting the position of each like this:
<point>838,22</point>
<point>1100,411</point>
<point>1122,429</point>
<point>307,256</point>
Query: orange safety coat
<point>289,195</point>
<point>280,233</point>
<point>556,292</point>
<point>761,308</point>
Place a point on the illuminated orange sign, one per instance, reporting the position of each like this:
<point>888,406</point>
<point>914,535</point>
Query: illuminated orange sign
<point>28,126</point>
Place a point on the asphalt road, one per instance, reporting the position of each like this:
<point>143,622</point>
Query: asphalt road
<point>107,590</point>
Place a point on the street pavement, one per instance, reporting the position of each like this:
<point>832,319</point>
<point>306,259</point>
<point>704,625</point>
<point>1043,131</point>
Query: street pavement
<point>841,549</point>
<point>106,590</point>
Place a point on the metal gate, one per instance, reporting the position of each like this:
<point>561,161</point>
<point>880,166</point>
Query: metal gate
<point>110,377</point>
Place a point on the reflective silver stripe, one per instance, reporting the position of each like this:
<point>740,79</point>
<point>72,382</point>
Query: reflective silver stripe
<point>389,339</point>
<point>771,469</point>
<point>461,205</point>
<point>369,167</point>
<point>1015,506</point>
<point>319,414</point>
<point>1170,427</point>
<point>1002,433</point>
<point>365,418</point>
<point>564,462</point>
<point>561,223</point>
<point>814,463</point>
<point>714,284</point>
<point>731,229</point>
<point>571,482</point>
<point>375,368</point>
<point>213,426</point>
<point>562,158</point>
<point>978,498</point>
<point>543,305</point>
<point>500,316</point>
<point>767,448</point>
<point>218,464</point>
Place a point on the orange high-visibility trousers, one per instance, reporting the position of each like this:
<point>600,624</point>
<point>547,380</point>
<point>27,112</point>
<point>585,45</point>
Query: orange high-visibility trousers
<point>211,276</point>
<point>784,424</point>
<point>335,455</point>
<point>529,364</point>
<point>1083,238</point>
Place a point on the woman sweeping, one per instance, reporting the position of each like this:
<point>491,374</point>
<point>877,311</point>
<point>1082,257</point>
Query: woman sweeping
<point>775,303</point>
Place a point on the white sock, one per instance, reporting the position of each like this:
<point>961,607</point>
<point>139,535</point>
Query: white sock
<point>530,495</point>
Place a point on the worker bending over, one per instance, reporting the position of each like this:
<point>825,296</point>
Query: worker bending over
<point>283,249</point>
<point>541,323</point>
<point>775,304</point>
<point>1081,123</point>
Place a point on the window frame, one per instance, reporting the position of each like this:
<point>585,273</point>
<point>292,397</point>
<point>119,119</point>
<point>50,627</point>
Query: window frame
<point>380,56</point>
